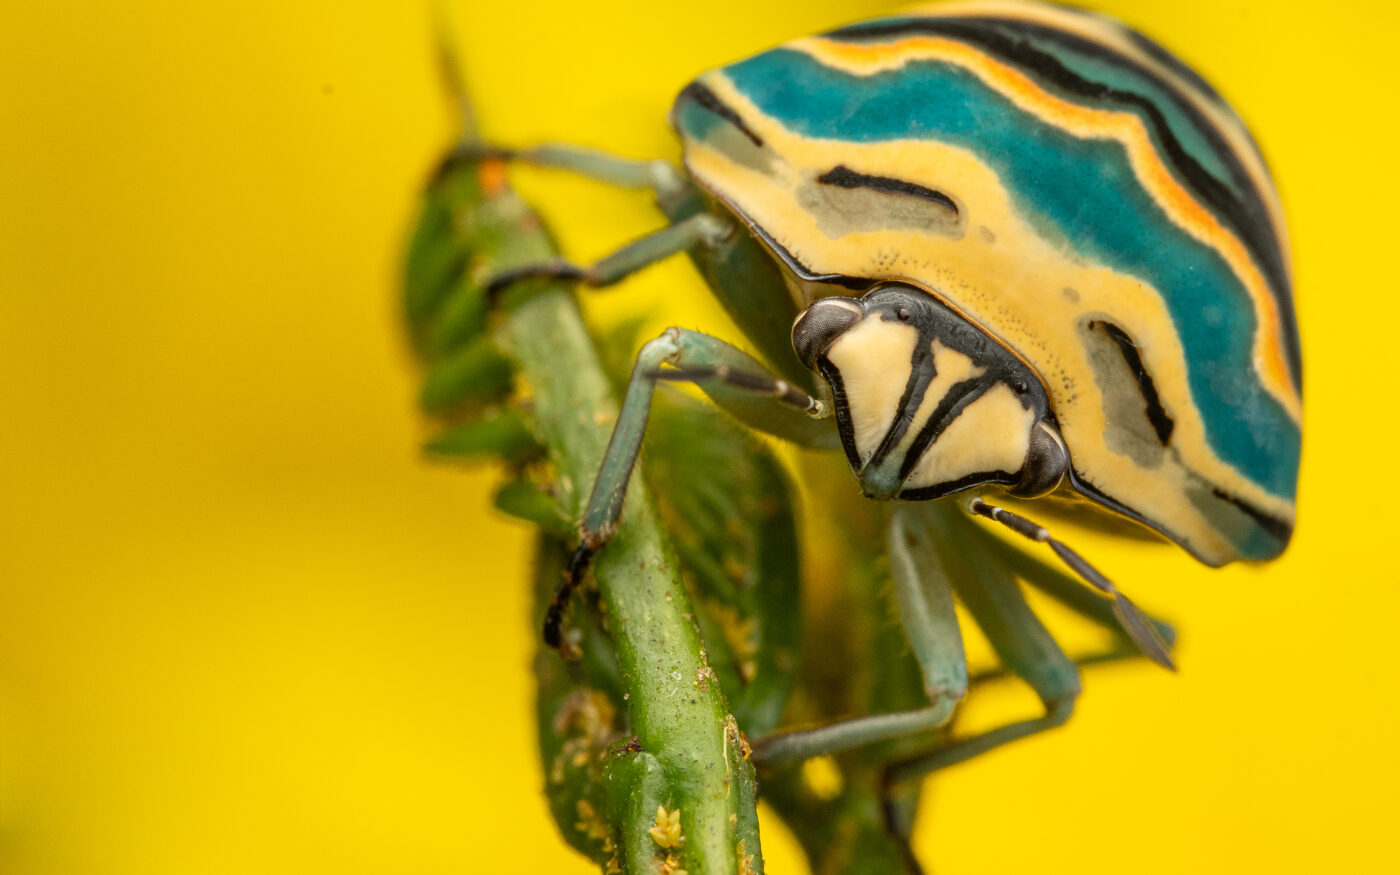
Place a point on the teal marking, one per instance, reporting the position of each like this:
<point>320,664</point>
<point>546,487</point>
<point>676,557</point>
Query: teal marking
<point>1114,75</point>
<point>695,120</point>
<point>1082,191</point>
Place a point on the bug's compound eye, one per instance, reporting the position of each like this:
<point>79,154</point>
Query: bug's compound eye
<point>817,327</point>
<point>1047,460</point>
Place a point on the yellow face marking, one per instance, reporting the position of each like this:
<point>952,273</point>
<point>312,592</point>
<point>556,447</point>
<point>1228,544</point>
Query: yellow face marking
<point>874,358</point>
<point>991,434</point>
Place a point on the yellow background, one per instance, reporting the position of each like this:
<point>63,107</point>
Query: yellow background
<point>245,629</point>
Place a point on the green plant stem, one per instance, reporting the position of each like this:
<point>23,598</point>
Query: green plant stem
<point>676,711</point>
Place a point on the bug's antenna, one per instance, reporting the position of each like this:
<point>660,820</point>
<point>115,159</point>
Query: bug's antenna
<point>450,70</point>
<point>1134,622</point>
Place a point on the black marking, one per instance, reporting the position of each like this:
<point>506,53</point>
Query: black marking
<point>844,177</point>
<point>706,98</point>
<point>800,270</point>
<point>939,490</point>
<point>578,567</point>
<point>1156,414</point>
<point>1277,528</point>
<point>1097,495</point>
<point>832,375</point>
<point>1159,53</point>
<point>922,370</point>
<point>949,408</point>
<point>1012,40</point>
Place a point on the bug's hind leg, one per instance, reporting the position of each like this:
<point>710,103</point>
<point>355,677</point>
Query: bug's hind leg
<point>924,593</point>
<point>733,379</point>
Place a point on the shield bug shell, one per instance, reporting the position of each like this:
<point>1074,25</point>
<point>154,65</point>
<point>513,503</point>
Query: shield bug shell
<point>1067,187</point>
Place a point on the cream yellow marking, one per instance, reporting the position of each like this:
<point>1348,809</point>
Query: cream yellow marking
<point>1089,123</point>
<point>874,358</point>
<point>1011,279</point>
<point>991,434</point>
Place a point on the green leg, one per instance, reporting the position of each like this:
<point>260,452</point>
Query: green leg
<point>656,175</point>
<point>701,229</point>
<point>724,372</point>
<point>923,591</point>
<point>991,594</point>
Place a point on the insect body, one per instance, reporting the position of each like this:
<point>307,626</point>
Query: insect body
<point>1070,190</point>
<point>1030,255</point>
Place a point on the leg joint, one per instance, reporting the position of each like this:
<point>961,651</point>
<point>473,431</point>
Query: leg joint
<point>665,347</point>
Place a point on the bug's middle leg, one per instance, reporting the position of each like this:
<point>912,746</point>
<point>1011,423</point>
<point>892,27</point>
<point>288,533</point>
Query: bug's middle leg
<point>988,588</point>
<point>923,591</point>
<point>733,379</point>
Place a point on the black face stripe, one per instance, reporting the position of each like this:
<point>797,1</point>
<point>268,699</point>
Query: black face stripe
<point>706,98</point>
<point>949,408</point>
<point>927,493</point>
<point>1012,40</point>
<point>1156,414</point>
<point>844,177</point>
<point>922,370</point>
<point>832,375</point>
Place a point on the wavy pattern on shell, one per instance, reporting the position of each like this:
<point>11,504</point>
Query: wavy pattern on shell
<point>1067,185</point>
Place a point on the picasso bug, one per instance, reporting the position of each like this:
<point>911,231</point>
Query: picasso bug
<point>1016,261</point>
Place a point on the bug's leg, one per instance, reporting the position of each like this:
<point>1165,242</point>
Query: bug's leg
<point>1073,593</point>
<point>654,174</point>
<point>991,594</point>
<point>1138,626</point>
<point>702,229</point>
<point>730,376</point>
<point>923,591</point>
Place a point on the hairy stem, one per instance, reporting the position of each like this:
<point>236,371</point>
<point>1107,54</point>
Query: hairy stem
<point>695,755</point>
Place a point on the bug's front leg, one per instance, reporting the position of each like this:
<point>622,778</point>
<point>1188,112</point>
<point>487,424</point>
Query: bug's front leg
<point>733,379</point>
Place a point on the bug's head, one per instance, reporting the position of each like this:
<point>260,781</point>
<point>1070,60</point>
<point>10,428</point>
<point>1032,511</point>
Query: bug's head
<point>928,404</point>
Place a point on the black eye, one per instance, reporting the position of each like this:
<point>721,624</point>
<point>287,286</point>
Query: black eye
<point>1020,387</point>
<point>903,314</point>
<point>820,324</point>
